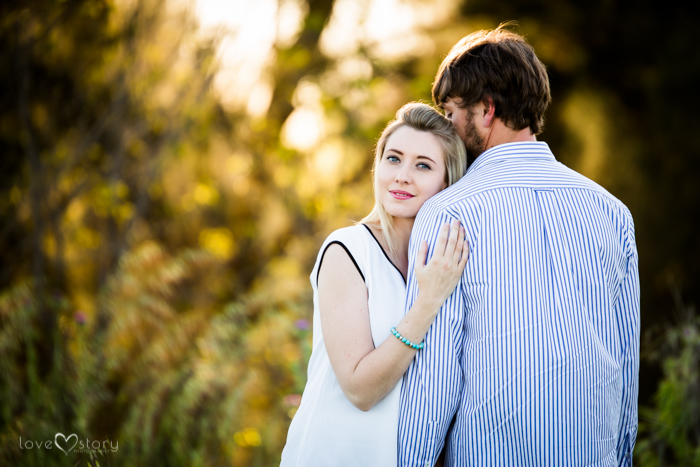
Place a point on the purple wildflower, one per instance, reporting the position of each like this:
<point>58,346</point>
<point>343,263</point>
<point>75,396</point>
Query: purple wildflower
<point>80,317</point>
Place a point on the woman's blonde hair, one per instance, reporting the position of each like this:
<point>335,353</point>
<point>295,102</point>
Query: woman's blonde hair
<point>420,117</point>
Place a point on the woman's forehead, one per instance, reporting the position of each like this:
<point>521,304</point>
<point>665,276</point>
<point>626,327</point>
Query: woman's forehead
<point>409,141</point>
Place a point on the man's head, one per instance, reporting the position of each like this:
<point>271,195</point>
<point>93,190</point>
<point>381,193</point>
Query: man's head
<point>495,71</point>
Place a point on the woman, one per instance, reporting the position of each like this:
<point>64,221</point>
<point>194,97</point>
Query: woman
<point>349,410</point>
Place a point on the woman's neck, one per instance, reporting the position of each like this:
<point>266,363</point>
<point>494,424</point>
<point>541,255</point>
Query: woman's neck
<point>402,230</point>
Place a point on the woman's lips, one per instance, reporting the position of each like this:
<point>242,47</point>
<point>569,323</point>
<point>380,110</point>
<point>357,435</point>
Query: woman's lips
<point>398,194</point>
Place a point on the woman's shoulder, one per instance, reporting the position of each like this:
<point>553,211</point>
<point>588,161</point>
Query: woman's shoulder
<point>353,233</point>
<point>353,240</point>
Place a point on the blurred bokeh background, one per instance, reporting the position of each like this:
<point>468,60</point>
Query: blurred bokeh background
<point>169,168</point>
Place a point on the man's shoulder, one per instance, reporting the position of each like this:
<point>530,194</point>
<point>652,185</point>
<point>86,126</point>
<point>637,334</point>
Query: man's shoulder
<point>460,193</point>
<point>478,189</point>
<point>595,189</point>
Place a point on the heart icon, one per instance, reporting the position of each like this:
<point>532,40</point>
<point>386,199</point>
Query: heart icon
<point>55,441</point>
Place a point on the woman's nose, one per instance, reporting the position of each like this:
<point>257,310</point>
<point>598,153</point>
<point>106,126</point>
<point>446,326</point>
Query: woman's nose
<point>402,176</point>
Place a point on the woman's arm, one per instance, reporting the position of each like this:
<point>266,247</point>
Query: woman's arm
<point>367,374</point>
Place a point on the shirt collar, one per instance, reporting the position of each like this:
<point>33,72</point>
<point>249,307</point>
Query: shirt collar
<point>520,150</point>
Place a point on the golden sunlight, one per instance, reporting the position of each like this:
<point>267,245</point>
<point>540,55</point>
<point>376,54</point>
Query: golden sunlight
<point>247,31</point>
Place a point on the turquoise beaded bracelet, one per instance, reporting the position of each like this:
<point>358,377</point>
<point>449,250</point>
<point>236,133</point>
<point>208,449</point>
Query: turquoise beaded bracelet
<point>406,341</point>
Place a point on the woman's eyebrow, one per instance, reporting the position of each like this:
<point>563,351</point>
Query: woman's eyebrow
<point>417,157</point>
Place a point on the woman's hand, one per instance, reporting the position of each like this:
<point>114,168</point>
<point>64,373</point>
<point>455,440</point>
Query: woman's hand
<point>438,278</point>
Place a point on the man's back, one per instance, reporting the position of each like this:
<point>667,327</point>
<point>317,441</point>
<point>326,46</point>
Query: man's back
<point>534,359</point>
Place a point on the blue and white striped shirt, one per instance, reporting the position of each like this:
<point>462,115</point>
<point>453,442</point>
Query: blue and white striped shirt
<point>534,359</point>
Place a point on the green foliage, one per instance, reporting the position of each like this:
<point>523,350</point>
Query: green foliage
<point>670,429</point>
<point>196,386</point>
<point>171,387</point>
<point>166,354</point>
<point>35,405</point>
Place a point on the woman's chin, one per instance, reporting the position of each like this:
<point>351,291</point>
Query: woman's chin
<point>408,214</point>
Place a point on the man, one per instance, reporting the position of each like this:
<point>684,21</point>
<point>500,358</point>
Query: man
<point>534,359</point>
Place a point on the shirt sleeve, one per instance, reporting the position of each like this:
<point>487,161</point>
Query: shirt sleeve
<point>627,311</point>
<point>432,386</point>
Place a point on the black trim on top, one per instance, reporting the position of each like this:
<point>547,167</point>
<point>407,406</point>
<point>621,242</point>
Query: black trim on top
<point>349,254</point>
<point>385,255</point>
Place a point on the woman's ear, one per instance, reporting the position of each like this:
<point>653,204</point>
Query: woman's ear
<point>489,111</point>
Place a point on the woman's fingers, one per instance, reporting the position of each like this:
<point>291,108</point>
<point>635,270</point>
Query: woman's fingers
<point>442,240</point>
<point>447,245</point>
<point>454,237</point>
<point>465,255</point>
<point>437,279</point>
<point>460,246</point>
<point>422,255</point>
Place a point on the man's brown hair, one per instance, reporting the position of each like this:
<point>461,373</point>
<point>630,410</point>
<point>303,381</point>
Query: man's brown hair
<point>499,64</point>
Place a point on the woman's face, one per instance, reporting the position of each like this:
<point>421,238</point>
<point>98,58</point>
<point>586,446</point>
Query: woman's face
<point>412,170</point>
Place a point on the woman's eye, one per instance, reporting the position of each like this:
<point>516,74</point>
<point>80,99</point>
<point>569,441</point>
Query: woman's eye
<point>423,166</point>
<point>392,159</point>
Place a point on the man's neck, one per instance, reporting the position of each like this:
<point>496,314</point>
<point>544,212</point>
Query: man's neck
<point>501,134</point>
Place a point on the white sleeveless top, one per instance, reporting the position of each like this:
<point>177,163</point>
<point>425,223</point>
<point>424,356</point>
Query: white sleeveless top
<point>328,430</point>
